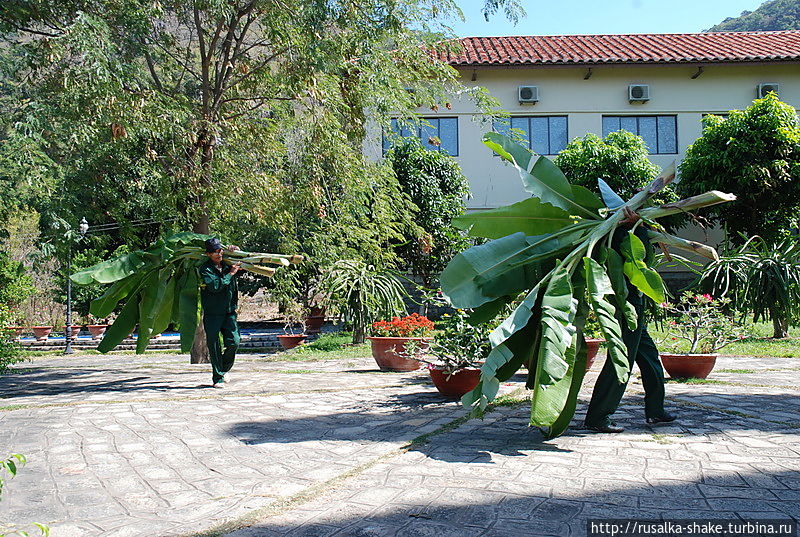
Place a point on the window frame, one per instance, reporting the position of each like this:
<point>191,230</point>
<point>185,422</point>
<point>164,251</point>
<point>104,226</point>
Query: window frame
<point>548,117</point>
<point>650,150</point>
<point>417,133</point>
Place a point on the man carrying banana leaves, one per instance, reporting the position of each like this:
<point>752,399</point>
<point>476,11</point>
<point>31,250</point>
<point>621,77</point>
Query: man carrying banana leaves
<point>219,296</point>
<point>608,389</point>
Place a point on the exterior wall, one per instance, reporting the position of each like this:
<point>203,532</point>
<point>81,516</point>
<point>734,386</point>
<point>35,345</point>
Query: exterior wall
<point>564,91</point>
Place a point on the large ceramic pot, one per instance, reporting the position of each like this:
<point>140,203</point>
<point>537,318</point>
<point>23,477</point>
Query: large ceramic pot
<point>41,332</point>
<point>457,384</point>
<point>692,366</point>
<point>97,330</point>
<point>16,331</point>
<point>290,341</point>
<point>390,352</point>
<point>314,323</point>
<point>74,329</point>
<point>592,346</point>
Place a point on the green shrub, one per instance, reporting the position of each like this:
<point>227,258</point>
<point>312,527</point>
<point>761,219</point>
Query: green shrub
<point>755,154</point>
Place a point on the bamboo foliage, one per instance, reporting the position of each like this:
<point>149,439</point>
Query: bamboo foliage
<point>552,256</point>
<point>160,286</point>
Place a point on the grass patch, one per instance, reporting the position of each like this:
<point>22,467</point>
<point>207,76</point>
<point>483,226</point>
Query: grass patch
<point>697,381</point>
<point>746,371</point>
<point>661,438</point>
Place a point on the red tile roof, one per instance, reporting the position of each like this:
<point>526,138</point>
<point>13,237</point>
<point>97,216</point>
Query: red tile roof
<point>629,48</point>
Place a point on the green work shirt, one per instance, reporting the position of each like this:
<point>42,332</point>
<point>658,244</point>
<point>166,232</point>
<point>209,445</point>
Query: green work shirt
<point>219,291</point>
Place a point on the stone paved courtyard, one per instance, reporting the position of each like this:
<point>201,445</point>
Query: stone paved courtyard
<point>141,446</point>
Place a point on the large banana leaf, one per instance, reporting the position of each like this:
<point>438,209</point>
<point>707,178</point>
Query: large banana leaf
<point>598,287</point>
<point>647,280</point>
<point>530,216</point>
<point>543,179</point>
<point>159,286</point>
<point>502,267</point>
<point>556,358</point>
<point>553,248</point>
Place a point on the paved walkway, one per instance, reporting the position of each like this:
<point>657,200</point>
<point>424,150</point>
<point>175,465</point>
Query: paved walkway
<point>141,446</point>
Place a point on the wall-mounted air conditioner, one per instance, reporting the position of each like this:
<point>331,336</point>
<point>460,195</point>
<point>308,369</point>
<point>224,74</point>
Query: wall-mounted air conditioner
<point>528,94</point>
<point>763,89</point>
<point>638,93</point>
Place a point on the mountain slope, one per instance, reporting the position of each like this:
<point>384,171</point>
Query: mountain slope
<point>772,15</point>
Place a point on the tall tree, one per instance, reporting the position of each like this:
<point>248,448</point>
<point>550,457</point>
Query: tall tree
<point>201,110</point>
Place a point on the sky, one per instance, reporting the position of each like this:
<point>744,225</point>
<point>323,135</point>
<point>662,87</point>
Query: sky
<point>565,17</point>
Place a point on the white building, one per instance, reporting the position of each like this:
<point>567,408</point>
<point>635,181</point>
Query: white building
<point>560,87</point>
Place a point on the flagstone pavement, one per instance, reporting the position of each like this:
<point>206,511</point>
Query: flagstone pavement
<point>142,446</point>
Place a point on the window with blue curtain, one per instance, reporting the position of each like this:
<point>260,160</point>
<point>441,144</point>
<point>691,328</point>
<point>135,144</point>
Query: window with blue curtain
<point>545,135</point>
<point>660,133</point>
<point>440,134</point>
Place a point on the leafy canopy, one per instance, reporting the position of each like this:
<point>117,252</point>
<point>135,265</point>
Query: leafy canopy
<point>754,153</point>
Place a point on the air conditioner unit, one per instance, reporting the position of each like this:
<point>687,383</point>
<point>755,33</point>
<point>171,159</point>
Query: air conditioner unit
<point>638,92</point>
<point>528,94</point>
<point>763,89</point>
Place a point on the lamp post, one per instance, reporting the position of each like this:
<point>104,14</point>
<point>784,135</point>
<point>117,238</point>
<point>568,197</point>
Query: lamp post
<point>83,227</point>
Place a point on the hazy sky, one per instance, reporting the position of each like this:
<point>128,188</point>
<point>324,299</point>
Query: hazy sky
<point>561,17</point>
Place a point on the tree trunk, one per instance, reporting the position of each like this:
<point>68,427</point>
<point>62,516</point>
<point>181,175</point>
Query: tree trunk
<point>199,353</point>
<point>780,326</point>
<point>359,333</point>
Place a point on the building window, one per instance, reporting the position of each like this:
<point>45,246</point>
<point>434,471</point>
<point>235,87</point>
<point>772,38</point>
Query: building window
<point>545,135</point>
<point>440,134</point>
<point>660,133</point>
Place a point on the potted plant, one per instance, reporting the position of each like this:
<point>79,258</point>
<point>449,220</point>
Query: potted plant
<point>593,336</point>
<point>293,314</point>
<point>397,344</point>
<point>41,332</point>
<point>96,327</point>
<point>458,349</point>
<point>698,320</point>
<point>314,319</point>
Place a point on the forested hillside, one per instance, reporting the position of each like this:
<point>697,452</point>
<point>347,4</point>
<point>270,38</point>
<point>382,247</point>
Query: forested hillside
<point>772,15</point>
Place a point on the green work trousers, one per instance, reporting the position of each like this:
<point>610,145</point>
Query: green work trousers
<point>221,360</point>
<point>608,391</point>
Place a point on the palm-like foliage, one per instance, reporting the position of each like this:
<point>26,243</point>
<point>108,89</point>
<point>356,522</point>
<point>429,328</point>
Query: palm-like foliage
<point>160,286</point>
<point>552,254</point>
<point>362,294</point>
<point>761,278</point>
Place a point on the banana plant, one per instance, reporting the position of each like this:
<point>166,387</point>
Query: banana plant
<point>161,285</point>
<point>550,255</point>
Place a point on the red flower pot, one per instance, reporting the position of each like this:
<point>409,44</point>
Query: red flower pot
<point>692,366</point>
<point>74,329</point>
<point>41,332</point>
<point>314,323</point>
<point>390,352</point>
<point>457,384</point>
<point>16,330</point>
<point>592,346</point>
<point>290,341</point>
<point>97,330</point>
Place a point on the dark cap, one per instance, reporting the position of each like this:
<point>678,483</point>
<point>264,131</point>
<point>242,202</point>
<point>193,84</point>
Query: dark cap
<point>212,245</point>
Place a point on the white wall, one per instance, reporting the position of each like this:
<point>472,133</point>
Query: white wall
<point>563,91</point>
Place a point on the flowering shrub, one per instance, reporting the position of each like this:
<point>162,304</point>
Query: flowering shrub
<point>414,325</point>
<point>699,320</point>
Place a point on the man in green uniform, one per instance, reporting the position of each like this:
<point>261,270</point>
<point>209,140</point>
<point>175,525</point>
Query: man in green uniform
<point>608,391</point>
<point>220,297</point>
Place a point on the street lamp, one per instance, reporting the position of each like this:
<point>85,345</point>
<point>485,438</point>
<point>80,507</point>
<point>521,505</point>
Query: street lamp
<point>83,227</point>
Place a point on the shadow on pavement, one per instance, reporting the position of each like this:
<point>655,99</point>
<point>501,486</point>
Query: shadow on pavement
<point>550,509</point>
<point>43,382</point>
